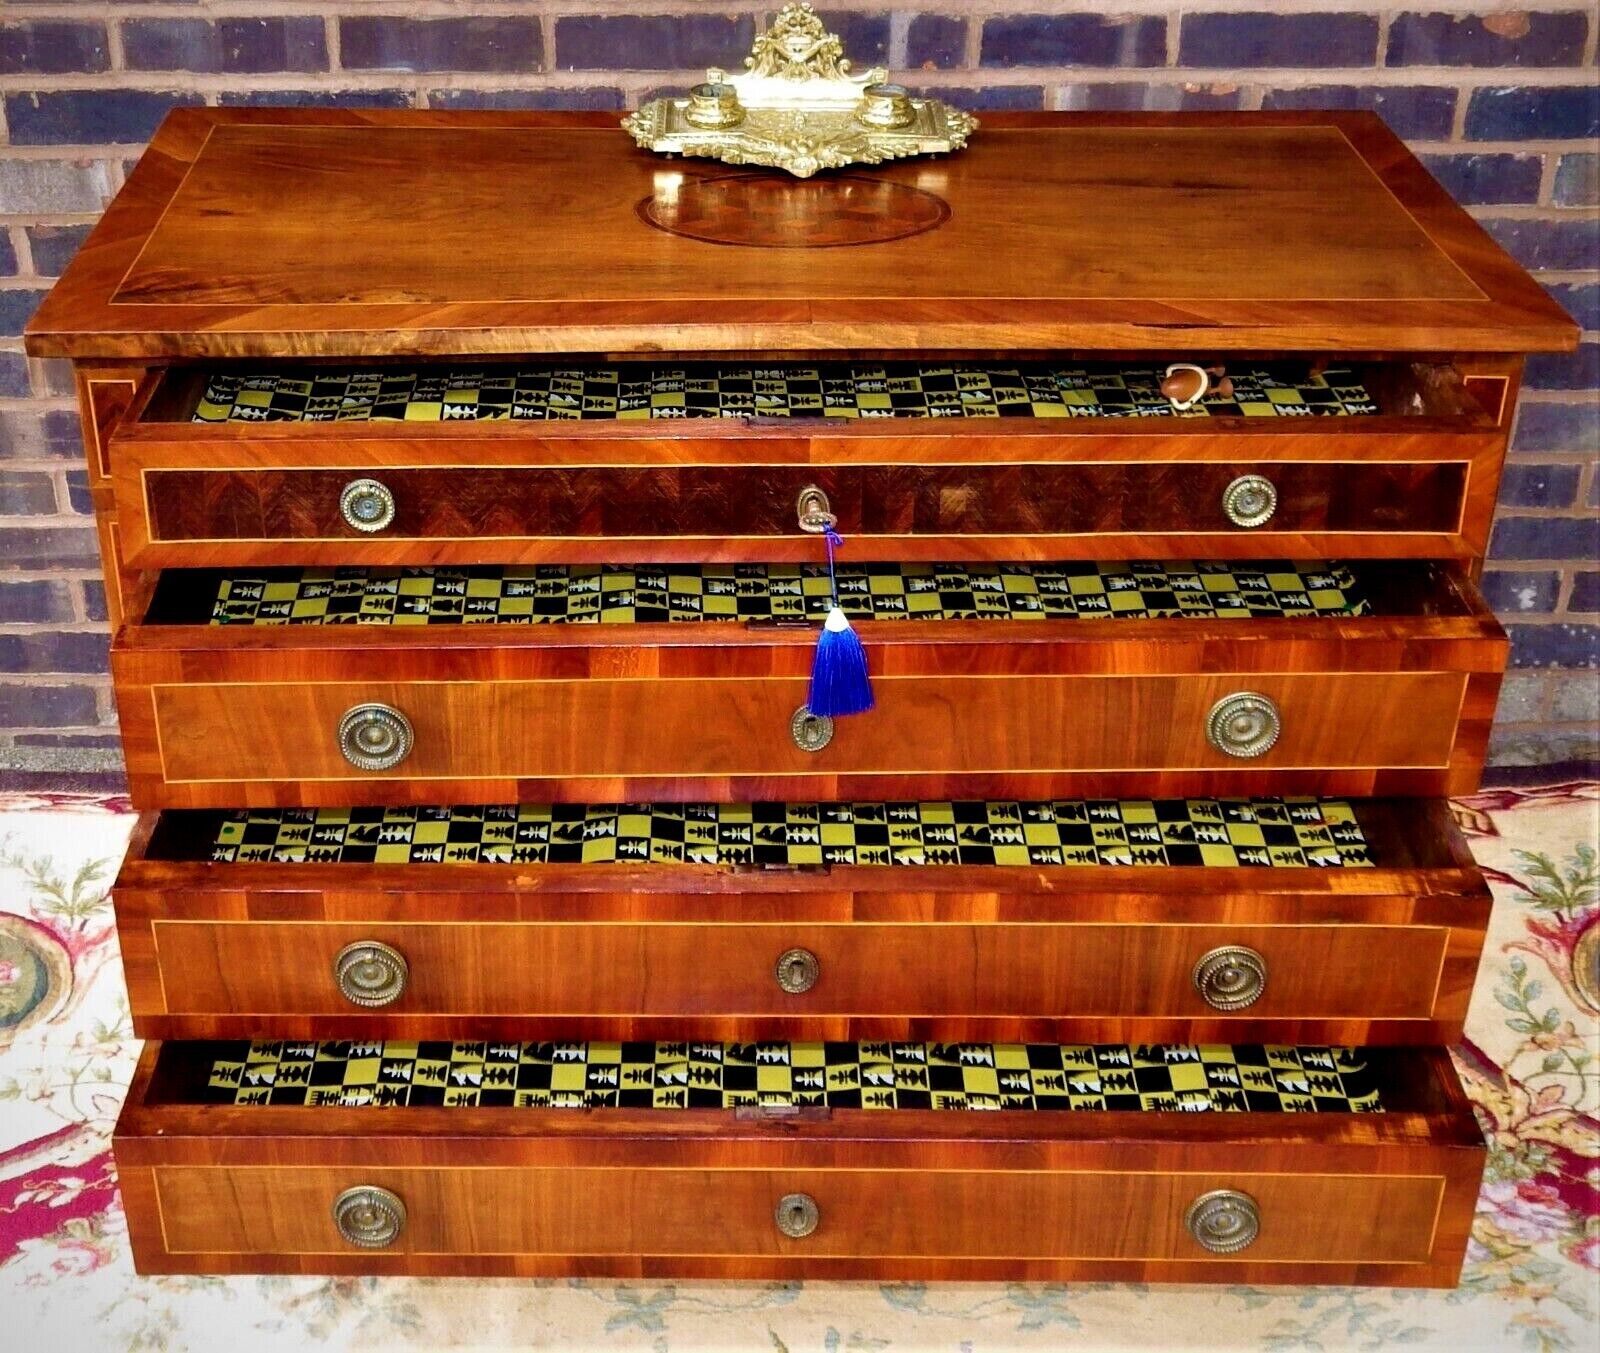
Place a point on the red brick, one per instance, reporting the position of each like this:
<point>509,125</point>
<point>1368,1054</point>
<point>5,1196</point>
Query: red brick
<point>491,43</point>
<point>1518,38</point>
<point>1228,41</point>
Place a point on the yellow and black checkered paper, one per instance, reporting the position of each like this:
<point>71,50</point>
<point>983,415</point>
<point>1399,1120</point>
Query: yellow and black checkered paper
<point>854,1075</point>
<point>829,390</point>
<point>1225,833</point>
<point>548,594</point>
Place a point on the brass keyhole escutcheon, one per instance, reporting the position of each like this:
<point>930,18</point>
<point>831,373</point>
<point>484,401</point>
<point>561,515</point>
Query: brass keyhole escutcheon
<point>797,971</point>
<point>370,973</point>
<point>369,1217</point>
<point>813,512</point>
<point>811,732</point>
<point>1231,977</point>
<point>1224,1221</point>
<point>797,1215</point>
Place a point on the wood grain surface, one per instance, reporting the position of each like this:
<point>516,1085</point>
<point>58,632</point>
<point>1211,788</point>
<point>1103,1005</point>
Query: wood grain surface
<point>370,232</point>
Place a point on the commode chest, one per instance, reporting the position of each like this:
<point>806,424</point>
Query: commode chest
<point>501,907</point>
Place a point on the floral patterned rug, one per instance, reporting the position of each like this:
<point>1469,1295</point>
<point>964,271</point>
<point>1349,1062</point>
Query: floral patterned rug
<point>1532,1064</point>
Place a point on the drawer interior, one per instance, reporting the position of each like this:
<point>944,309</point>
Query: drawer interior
<point>1115,1077</point>
<point>877,1078</point>
<point>766,594</point>
<point>1150,835</point>
<point>602,391</point>
<point>596,389</point>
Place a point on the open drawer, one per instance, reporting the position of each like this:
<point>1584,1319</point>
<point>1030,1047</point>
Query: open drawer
<point>1015,681</point>
<point>1267,920</point>
<point>1237,1165</point>
<point>1016,460</point>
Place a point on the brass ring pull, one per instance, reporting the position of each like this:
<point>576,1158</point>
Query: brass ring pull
<point>812,511</point>
<point>1230,978</point>
<point>811,732</point>
<point>797,971</point>
<point>369,1217</point>
<point>371,974</point>
<point>374,736</point>
<point>1245,724</point>
<point>797,1215</point>
<point>1224,1221</point>
<point>1249,501</point>
<point>366,505</point>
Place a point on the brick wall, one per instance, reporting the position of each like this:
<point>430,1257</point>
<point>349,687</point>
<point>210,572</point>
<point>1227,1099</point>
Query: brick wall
<point>1502,103</point>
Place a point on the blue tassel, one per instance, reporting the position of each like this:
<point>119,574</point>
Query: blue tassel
<point>839,680</point>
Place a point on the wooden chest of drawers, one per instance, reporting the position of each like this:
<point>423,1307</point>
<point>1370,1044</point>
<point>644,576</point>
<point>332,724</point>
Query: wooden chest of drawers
<point>501,905</point>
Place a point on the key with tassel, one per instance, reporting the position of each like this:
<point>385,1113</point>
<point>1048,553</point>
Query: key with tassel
<point>840,683</point>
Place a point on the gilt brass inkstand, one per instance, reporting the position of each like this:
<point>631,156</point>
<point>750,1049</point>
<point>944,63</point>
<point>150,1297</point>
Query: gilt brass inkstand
<point>798,107</point>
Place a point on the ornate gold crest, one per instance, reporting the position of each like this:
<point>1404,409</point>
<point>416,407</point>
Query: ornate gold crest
<point>799,107</point>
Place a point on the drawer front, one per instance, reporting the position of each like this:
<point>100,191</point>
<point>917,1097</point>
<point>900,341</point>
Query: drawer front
<point>1141,503</point>
<point>640,738</point>
<point>869,1213</point>
<point>255,971</point>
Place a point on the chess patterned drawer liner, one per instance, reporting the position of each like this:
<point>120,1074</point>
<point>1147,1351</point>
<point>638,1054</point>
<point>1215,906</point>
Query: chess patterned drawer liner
<point>643,594</point>
<point>1173,833</point>
<point>1112,1077</point>
<point>826,390</point>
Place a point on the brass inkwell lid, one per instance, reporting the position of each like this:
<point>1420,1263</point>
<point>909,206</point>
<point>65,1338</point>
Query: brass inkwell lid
<point>798,107</point>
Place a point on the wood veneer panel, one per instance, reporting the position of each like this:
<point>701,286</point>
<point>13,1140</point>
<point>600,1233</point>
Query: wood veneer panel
<point>868,1213</point>
<point>411,231</point>
<point>272,978</point>
<point>1360,487</point>
<point>480,741</point>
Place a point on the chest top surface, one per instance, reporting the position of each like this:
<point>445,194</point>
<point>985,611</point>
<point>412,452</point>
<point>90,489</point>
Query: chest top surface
<point>256,232</point>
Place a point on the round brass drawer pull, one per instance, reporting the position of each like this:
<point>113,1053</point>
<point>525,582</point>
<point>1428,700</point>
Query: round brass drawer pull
<point>369,1217</point>
<point>1245,724</point>
<point>811,732</point>
<point>370,973</point>
<point>1250,501</point>
<point>796,1215</point>
<point>1224,1221</point>
<point>813,512</point>
<point>374,737</point>
<point>366,505</point>
<point>1231,977</point>
<point>797,971</point>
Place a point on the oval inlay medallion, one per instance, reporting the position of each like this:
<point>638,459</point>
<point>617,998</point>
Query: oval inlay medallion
<point>771,211</point>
